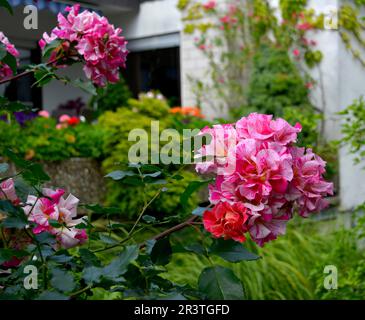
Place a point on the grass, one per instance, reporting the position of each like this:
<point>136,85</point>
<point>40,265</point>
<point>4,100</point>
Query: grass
<point>284,272</point>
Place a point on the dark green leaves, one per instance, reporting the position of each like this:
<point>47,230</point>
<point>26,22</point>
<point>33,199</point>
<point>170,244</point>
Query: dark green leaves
<point>49,48</point>
<point>88,258</point>
<point>5,4</point>
<point>114,270</point>
<point>231,251</point>
<point>62,280</point>
<point>15,217</point>
<point>8,254</point>
<point>12,106</point>
<point>3,51</point>
<point>43,75</point>
<point>149,219</point>
<point>86,86</point>
<point>161,252</point>
<point>4,167</point>
<point>191,188</point>
<point>10,60</point>
<point>120,175</point>
<point>144,176</point>
<point>31,172</point>
<point>199,211</point>
<point>219,283</point>
<point>98,209</point>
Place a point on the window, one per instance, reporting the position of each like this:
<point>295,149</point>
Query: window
<point>22,90</point>
<point>155,70</point>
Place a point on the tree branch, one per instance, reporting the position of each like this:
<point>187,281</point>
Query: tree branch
<point>167,232</point>
<point>28,72</point>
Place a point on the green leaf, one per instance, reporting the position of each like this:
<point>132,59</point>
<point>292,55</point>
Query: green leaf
<point>119,265</point>
<point>149,245</point>
<point>61,258</point>
<point>98,209</point>
<point>88,257</point>
<point>196,248</point>
<point>45,238</point>
<point>8,254</point>
<point>32,172</point>
<point>191,188</point>
<point>92,274</point>
<point>108,240</point>
<point>86,86</point>
<point>161,252</point>
<point>115,269</point>
<point>149,219</point>
<point>35,174</point>
<point>231,251</point>
<point>62,280</point>
<point>199,211</point>
<point>49,48</point>
<point>178,177</point>
<point>13,106</point>
<point>11,61</point>
<point>43,75</point>
<point>120,175</point>
<point>54,223</point>
<point>4,167</point>
<point>5,4</point>
<point>153,175</point>
<point>219,283</point>
<point>3,51</point>
<point>15,217</point>
<point>52,295</point>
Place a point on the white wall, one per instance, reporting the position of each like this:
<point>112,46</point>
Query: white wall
<point>153,18</point>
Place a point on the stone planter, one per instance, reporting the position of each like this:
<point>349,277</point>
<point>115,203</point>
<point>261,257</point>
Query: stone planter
<point>80,176</point>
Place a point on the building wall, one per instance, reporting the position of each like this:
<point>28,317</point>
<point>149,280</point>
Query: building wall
<point>153,18</point>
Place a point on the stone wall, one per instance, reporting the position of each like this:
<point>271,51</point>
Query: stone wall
<point>80,176</point>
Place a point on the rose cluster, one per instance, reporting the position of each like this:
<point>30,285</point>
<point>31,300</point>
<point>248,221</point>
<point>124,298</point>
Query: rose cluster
<point>262,178</point>
<point>50,213</point>
<point>94,39</point>
<point>5,70</point>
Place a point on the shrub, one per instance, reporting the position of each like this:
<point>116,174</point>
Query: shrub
<point>111,97</point>
<point>276,83</point>
<point>353,128</point>
<point>40,140</point>
<point>118,125</point>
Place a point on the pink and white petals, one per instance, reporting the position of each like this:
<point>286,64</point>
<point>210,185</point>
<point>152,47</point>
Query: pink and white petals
<point>54,207</point>
<point>97,42</point>
<point>8,192</point>
<point>271,178</point>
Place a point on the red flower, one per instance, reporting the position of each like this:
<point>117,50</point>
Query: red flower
<point>296,52</point>
<point>73,121</point>
<point>304,26</point>
<point>309,85</point>
<point>227,221</point>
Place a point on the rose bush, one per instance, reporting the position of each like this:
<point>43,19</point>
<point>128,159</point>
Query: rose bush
<point>261,178</point>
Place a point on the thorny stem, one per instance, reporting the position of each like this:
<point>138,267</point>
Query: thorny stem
<point>28,72</point>
<point>176,228</point>
<point>145,207</point>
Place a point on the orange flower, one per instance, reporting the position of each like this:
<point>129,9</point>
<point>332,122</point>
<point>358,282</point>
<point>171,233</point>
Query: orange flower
<point>187,111</point>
